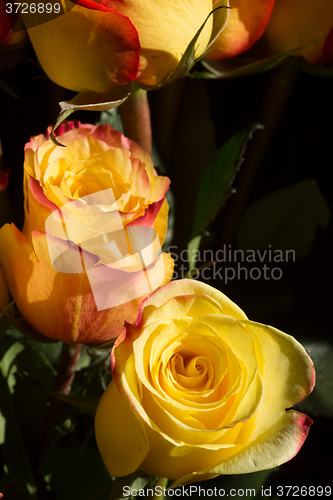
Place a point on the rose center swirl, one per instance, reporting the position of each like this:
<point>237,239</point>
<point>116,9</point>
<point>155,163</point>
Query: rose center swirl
<point>191,372</point>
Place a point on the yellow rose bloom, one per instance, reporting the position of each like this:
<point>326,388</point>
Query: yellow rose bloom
<point>90,249</point>
<point>97,46</point>
<point>198,390</point>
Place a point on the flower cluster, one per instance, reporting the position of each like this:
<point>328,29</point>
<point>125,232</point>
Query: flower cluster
<point>197,389</point>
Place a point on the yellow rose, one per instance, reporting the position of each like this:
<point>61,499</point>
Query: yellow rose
<point>198,390</point>
<point>301,22</point>
<point>100,45</point>
<point>89,251</point>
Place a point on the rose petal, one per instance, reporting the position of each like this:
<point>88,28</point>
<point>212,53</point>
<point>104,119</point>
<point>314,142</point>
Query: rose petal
<point>280,353</point>
<point>165,30</point>
<point>190,289</point>
<point>41,291</point>
<point>279,444</point>
<point>246,24</point>
<point>120,435</point>
<point>98,48</point>
<point>297,23</point>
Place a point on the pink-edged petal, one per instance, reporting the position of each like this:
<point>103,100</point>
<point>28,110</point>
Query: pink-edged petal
<point>38,207</point>
<point>276,446</point>
<point>66,126</point>
<point>190,289</point>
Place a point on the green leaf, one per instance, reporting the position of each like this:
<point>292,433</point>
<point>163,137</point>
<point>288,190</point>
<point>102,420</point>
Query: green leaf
<point>193,247</point>
<point>321,71</point>
<point>320,402</point>
<point>86,404</point>
<point>287,219</point>
<point>91,101</point>
<point>188,59</point>
<point>247,65</point>
<point>73,473</point>
<point>20,476</point>
<point>242,65</point>
<point>9,90</point>
<point>8,321</point>
<point>215,187</point>
<point>112,118</point>
<point>220,20</point>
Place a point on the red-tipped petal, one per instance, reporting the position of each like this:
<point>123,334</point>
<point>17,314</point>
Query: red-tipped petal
<point>89,48</point>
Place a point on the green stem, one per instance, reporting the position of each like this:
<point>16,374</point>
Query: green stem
<point>277,94</point>
<point>163,483</point>
<point>69,358</point>
<point>135,117</point>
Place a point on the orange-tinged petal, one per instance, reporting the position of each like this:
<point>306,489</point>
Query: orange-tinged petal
<point>246,24</point>
<point>161,221</point>
<point>300,22</point>
<point>89,48</point>
<point>61,305</point>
